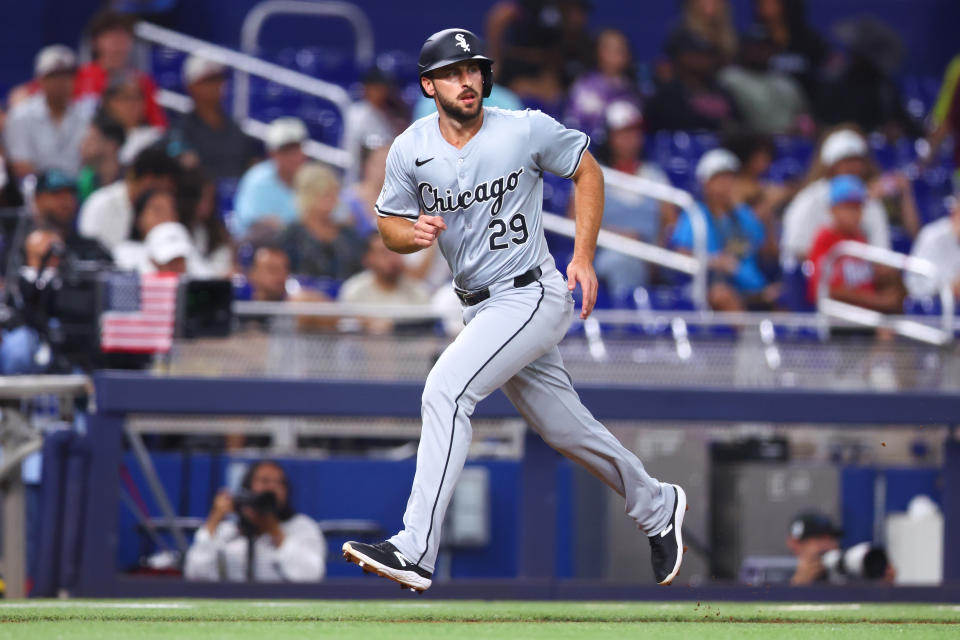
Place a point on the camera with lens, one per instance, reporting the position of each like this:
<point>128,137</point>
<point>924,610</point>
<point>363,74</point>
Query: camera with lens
<point>265,502</point>
<point>864,561</point>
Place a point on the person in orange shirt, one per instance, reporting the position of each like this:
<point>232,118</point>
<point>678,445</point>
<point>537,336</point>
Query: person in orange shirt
<point>111,35</point>
<point>852,280</point>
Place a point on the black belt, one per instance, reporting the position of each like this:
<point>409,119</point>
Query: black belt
<point>471,298</point>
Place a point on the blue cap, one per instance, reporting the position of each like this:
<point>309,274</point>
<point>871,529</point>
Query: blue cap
<point>55,180</point>
<point>847,189</point>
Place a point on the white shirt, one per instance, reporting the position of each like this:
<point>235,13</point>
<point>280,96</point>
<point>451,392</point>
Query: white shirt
<point>32,136</point>
<point>131,255</point>
<point>301,557</point>
<point>938,243</point>
<point>362,288</point>
<point>810,210</point>
<point>216,264</point>
<point>107,215</point>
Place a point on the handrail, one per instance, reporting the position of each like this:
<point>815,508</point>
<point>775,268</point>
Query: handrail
<point>246,64</point>
<point>258,129</point>
<point>859,315</point>
<point>679,197</point>
<point>258,15</point>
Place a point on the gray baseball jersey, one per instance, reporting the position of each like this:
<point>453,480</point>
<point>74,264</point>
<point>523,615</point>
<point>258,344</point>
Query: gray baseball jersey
<point>489,193</point>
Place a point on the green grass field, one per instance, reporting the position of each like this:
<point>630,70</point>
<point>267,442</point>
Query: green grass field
<point>249,619</point>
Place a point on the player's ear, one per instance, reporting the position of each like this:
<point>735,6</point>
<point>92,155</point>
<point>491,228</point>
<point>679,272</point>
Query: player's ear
<point>427,84</point>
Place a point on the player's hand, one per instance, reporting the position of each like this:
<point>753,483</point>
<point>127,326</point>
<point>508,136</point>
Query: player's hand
<point>426,229</point>
<point>222,504</point>
<point>581,271</point>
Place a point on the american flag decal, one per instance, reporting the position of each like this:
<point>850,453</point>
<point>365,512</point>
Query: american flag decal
<point>139,312</point>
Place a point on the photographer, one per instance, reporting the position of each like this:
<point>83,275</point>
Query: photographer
<point>287,546</point>
<point>815,542</point>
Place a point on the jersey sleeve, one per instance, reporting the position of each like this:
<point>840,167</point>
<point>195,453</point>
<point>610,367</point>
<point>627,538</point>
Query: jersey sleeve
<point>555,148</point>
<point>398,198</point>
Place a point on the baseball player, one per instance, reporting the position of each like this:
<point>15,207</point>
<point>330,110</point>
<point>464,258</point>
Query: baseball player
<point>470,178</point>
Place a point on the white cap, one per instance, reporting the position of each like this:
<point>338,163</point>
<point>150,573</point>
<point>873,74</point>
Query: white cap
<point>198,67</point>
<point>842,144</point>
<point>714,162</point>
<point>622,114</point>
<point>53,59</point>
<point>284,131</point>
<point>168,241</point>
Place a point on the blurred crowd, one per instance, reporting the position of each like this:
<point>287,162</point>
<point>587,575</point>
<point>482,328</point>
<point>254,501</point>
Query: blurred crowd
<point>109,176</point>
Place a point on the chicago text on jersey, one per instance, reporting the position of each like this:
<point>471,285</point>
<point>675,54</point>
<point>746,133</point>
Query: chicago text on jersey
<point>490,190</point>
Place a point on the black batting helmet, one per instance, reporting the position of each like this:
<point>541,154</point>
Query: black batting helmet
<point>454,45</point>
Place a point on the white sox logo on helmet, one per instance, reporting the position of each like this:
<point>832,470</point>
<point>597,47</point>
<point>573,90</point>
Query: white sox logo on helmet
<point>462,41</point>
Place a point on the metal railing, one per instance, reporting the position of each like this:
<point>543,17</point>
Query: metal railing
<point>246,65</point>
<point>259,14</point>
<point>909,328</point>
<point>664,257</point>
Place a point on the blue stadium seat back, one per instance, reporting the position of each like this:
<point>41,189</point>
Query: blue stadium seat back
<point>703,141</point>
<point>791,158</point>
<point>323,284</point>
<point>925,306</point>
<point>331,64</point>
<point>226,193</point>
<point>166,66</point>
<point>671,298</point>
<point>561,248</point>
<point>401,64</point>
<point>241,287</point>
<point>245,253</point>
<point>556,193</point>
<point>919,94</point>
<point>794,294</point>
<point>900,240</point>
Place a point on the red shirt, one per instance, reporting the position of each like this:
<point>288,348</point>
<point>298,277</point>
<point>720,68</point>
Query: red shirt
<point>92,80</point>
<point>850,273</point>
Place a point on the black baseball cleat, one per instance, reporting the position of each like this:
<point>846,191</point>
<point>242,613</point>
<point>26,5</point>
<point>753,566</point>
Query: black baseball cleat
<point>666,547</point>
<point>385,560</point>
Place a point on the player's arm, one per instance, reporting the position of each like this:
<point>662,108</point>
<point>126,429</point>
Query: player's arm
<point>588,213</point>
<point>406,236</point>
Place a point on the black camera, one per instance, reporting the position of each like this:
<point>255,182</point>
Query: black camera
<point>262,503</point>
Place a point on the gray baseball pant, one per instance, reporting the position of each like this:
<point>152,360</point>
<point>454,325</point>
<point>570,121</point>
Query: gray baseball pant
<point>510,341</point>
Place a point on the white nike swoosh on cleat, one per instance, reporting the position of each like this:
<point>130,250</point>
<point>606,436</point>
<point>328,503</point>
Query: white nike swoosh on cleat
<point>403,561</point>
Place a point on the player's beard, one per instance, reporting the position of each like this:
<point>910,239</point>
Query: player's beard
<point>458,113</point>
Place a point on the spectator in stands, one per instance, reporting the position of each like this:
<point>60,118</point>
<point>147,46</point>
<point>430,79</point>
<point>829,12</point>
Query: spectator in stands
<point>766,197</point>
<point>800,51</point>
<point>111,37</point>
<point>769,101</point>
<point>863,88</point>
<point>545,46</point>
<point>843,152</point>
<point>710,20</point>
<point>265,193</point>
<point>45,130</point>
<point>287,546</point>
<point>220,146</point>
<point>151,208</point>
<point>107,215</point>
<point>10,195</point>
<point>360,197</point>
<point>737,241</point>
<point>626,212</point>
<point>382,281</point>
<point>123,103</point>
<point>938,242</point>
<point>691,99</point>
<point>100,155</point>
<point>55,208</point>
<point>317,244</point>
<point>377,118</point>
<point>852,280</point>
<point>268,274</point>
<point>168,249</point>
<point>197,203</point>
<point>612,79</point>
